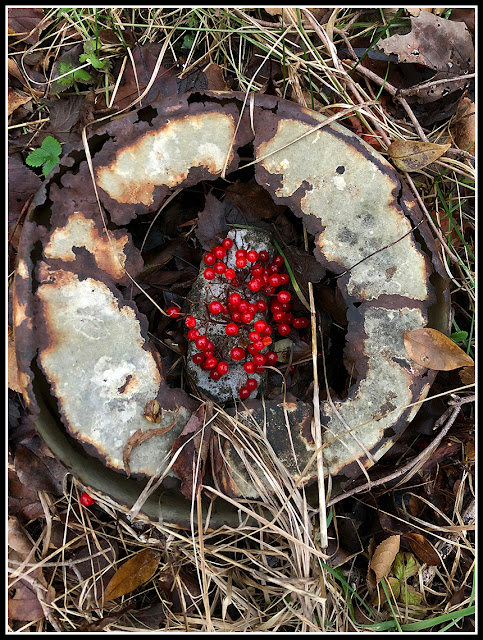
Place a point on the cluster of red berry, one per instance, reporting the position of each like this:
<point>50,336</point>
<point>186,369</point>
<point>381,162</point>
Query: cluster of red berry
<point>255,274</point>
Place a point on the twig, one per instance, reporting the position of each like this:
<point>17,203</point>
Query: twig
<point>426,85</point>
<point>409,466</point>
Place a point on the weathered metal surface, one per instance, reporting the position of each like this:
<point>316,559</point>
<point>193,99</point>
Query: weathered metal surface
<point>73,325</point>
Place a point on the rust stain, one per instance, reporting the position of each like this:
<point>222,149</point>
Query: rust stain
<point>166,156</point>
<point>81,232</point>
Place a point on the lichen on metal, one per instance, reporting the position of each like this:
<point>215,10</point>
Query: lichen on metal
<point>166,156</point>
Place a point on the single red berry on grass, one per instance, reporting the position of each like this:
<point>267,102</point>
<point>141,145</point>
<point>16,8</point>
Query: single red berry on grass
<point>229,275</point>
<point>284,329</point>
<point>219,268</point>
<point>86,500</point>
<point>215,307</point>
<point>222,368</point>
<point>251,384</point>
<point>254,285</point>
<point>252,256</point>
<point>209,259</point>
<point>193,334</point>
<point>211,362</point>
<point>237,353</point>
<point>244,393</point>
<point>249,366</point>
<point>271,357</point>
<point>215,374</point>
<point>235,299</point>
<point>201,342</point>
<point>209,274</point>
<point>283,296</point>
<point>261,305</point>
<point>190,322</point>
<point>227,243</point>
<point>173,312</point>
<point>198,358</point>
<point>219,252</point>
<point>263,256</point>
<point>231,329</point>
<point>241,263</point>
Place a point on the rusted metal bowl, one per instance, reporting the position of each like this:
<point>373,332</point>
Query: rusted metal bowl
<point>86,365</point>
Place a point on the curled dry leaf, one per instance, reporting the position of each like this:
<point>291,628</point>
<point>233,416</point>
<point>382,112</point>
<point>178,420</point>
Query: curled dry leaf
<point>16,99</point>
<point>432,349</point>
<point>384,555</point>
<point>465,124</point>
<point>467,375</point>
<point>422,549</point>
<point>412,155</point>
<point>132,574</point>
<point>13,382</point>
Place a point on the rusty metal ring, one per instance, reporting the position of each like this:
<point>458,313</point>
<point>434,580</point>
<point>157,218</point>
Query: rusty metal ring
<point>69,312</point>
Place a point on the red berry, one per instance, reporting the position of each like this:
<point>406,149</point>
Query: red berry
<point>289,318</point>
<point>267,331</point>
<point>284,329</point>
<point>283,296</point>
<point>86,500</point>
<point>275,307</point>
<point>211,362</point>
<point>283,278</point>
<point>222,367</point>
<point>215,374</point>
<point>219,268</point>
<point>173,312</point>
<point>237,353</point>
<point>252,308</point>
<point>263,256</point>
<point>209,274</point>
<point>271,357</point>
<point>209,259</point>
<point>273,268</point>
<point>252,350</point>
<point>227,243</point>
<point>259,359</point>
<point>235,282</point>
<point>251,384</point>
<point>215,307</point>
<point>229,275</point>
<point>210,347</point>
<point>253,336</point>
<point>241,263</point>
<point>219,252</point>
<point>278,316</point>
<point>303,322</point>
<point>208,353</point>
<point>269,290</point>
<point>243,306</point>
<point>254,285</point>
<point>252,256</point>
<point>236,316</point>
<point>190,322</point>
<point>235,299</point>
<point>193,334</point>
<point>240,253</point>
<point>247,317</point>
<point>244,393</point>
<point>286,306</point>
<point>231,329</point>
<point>260,325</point>
<point>198,358</point>
<point>278,260</point>
<point>249,366</point>
<point>201,342</point>
<point>259,345</point>
<point>261,305</point>
<point>275,280</point>
<point>257,271</point>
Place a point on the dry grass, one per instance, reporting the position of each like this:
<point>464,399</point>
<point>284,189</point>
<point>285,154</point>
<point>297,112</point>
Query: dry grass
<point>271,573</point>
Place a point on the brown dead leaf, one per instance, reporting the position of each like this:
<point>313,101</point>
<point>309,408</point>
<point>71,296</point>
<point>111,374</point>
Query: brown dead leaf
<point>194,443</point>
<point>211,220</point>
<point>182,589</point>
<point>214,78</point>
<point>253,200</point>
<point>422,549</point>
<point>132,574</point>
<point>383,557</point>
<point>467,375</point>
<point>25,605</point>
<point>37,471</point>
<point>413,155</point>
<point>13,382</point>
<point>436,43</point>
<point>26,23</point>
<point>465,124</point>
<point>16,99</point>
<point>22,183</point>
<point>432,349</point>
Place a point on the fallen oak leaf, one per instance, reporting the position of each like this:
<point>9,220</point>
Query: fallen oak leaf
<point>432,349</point>
<point>383,557</point>
<point>422,548</point>
<point>132,574</point>
<point>413,155</point>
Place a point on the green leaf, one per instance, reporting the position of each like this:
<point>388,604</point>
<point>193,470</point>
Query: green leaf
<point>93,60</point>
<point>459,336</point>
<point>47,155</point>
